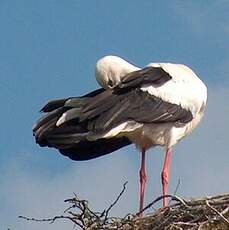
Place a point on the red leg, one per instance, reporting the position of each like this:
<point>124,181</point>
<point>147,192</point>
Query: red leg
<point>165,175</point>
<point>142,180</point>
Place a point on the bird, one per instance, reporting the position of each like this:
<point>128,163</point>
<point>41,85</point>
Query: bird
<point>156,105</point>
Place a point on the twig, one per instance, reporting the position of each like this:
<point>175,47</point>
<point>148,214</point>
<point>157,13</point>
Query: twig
<point>160,198</point>
<point>217,212</point>
<point>85,218</point>
<point>176,189</point>
<point>116,200</point>
<point>51,220</point>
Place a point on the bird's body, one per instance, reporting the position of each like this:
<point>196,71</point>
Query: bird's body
<point>156,105</point>
<point>184,89</point>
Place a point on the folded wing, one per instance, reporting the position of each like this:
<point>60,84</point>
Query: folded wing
<point>70,123</point>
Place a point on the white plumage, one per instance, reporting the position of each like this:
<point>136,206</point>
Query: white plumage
<point>184,89</point>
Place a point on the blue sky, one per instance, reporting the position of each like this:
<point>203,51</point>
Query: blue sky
<point>48,49</point>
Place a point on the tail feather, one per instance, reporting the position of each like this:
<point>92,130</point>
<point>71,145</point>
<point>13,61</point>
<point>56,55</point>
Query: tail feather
<point>65,128</point>
<point>47,117</point>
<point>54,104</point>
<point>69,115</point>
<point>42,133</point>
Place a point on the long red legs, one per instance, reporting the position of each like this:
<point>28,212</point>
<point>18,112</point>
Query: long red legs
<point>165,175</point>
<point>142,180</point>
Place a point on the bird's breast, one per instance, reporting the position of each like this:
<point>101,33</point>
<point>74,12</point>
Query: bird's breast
<point>150,135</point>
<point>165,135</point>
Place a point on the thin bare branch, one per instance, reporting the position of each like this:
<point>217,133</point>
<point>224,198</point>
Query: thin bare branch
<point>176,189</point>
<point>116,200</point>
<point>51,220</point>
<point>217,212</point>
<point>176,198</point>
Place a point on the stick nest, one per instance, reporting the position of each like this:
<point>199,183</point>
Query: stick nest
<point>199,214</point>
<point>196,214</point>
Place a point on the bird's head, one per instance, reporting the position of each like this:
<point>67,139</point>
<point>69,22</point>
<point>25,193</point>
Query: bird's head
<point>110,69</point>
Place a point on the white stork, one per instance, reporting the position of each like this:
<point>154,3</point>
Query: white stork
<point>157,105</point>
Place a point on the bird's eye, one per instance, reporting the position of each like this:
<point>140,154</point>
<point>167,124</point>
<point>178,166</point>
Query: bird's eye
<point>110,83</point>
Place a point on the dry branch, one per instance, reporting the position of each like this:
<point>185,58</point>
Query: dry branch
<point>200,214</point>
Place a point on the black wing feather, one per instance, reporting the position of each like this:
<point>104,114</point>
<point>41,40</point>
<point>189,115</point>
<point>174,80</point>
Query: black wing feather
<point>102,110</point>
<point>138,106</point>
<point>86,150</point>
<point>148,75</point>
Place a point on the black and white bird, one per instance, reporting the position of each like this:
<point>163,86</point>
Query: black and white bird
<point>154,106</point>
